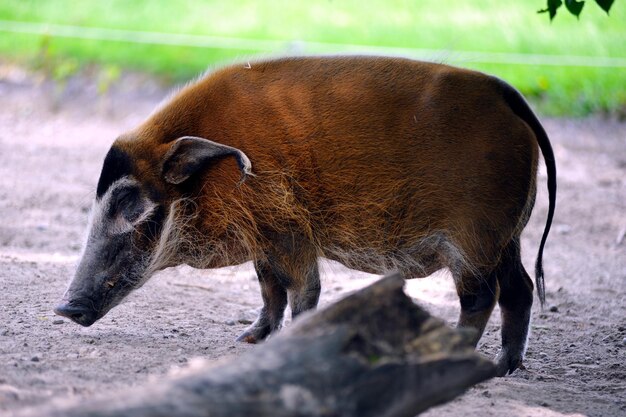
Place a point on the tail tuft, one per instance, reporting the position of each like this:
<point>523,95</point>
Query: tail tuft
<point>539,281</point>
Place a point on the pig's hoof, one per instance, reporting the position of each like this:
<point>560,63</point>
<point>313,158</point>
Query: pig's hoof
<point>507,363</point>
<point>254,334</point>
<point>247,338</point>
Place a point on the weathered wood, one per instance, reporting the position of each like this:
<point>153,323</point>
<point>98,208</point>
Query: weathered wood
<point>374,353</point>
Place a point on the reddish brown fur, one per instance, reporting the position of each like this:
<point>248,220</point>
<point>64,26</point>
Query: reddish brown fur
<point>375,152</point>
<point>379,163</point>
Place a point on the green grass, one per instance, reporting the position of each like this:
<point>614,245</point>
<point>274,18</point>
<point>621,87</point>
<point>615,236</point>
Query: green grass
<point>452,25</point>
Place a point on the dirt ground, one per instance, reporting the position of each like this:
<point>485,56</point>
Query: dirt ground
<point>52,143</point>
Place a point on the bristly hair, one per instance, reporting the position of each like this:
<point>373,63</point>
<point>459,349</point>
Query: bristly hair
<point>240,217</point>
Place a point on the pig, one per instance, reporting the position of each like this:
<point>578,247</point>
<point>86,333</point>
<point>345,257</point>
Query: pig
<point>378,163</point>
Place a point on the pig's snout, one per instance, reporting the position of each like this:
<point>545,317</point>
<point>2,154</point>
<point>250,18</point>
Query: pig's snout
<point>80,314</point>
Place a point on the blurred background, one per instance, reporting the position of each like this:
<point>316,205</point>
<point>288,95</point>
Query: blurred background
<point>567,67</point>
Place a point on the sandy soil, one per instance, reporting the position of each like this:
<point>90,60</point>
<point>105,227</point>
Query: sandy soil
<point>52,143</point>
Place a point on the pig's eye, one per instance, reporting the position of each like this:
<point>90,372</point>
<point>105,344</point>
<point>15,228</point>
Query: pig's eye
<point>127,202</point>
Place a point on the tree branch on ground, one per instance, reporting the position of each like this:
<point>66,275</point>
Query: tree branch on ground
<point>373,353</point>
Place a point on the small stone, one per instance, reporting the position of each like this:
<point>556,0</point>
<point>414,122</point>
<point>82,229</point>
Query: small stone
<point>59,321</point>
<point>554,309</point>
<point>230,322</point>
<point>624,341</point>
<point>35,359</point>
<point>244,321</point>
<point>563,229</point>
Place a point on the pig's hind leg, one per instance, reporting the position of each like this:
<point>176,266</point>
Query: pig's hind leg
<point>510,285</point>
<point>477,295</point>
<point>516,299</point>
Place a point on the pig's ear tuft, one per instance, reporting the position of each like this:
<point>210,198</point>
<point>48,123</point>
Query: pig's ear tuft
<point>189,154</point>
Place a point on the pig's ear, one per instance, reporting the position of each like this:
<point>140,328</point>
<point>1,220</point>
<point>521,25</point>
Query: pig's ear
<point>190,154</point>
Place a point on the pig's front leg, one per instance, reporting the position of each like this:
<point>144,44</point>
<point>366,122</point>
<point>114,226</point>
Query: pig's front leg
<point>274,302</point>
<point>305,296</point>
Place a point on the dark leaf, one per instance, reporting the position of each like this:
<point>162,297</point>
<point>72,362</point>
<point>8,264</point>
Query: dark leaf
<point>552,5</point>
<point>605,4</point>
<point>574,7</point>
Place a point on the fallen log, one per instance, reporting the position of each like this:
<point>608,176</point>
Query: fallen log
<point>373,353</point>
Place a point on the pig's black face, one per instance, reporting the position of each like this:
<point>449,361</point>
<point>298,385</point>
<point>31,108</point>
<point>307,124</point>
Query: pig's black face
<point>136,229</point>
<point>125,227</point>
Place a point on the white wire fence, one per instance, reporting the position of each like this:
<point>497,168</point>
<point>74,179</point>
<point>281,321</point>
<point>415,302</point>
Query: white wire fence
<point>303,47</point>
